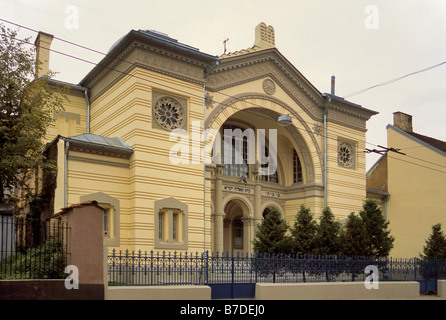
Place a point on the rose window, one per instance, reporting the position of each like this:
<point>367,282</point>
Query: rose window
<point>169,113</point>
<point>346,156</point>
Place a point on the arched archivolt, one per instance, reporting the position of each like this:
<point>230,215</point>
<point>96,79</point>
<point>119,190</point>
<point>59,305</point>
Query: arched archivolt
<point>275,205</point>
<point>245,204</point>
<point>273,108</point>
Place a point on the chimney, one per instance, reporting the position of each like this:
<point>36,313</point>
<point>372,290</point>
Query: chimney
<point>402,121</point>
<point>265,36</point>
<point>43,44</point>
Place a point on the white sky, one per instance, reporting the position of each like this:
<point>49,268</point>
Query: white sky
<point>320,38</point>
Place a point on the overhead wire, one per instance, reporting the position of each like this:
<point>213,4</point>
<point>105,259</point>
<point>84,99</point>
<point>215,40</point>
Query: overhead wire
<point>199,96</point>
<point>394,80</point>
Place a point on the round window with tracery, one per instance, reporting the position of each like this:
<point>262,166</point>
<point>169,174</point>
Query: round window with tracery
<point>169,113</point>
<point>346,156</point>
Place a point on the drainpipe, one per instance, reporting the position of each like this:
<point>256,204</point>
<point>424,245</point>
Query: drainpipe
<point>327,105</point>
<point>67,146</point>
<point>88,110</point>
<point>217,62</point>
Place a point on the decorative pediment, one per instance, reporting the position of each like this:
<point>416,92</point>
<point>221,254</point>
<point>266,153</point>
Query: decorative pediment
<point>269,63</point>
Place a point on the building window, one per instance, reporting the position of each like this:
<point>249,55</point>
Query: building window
<point>297,168</point>
<point>111,219</point>
<point>168,112</point>
<point>108,220</point>
<point>237,231</point>
<point>171,224</point>
<point>346,154</point>
<point>232,168</point>
<point>161,224</point>
<point>176,226</point>
<point>272,176</point>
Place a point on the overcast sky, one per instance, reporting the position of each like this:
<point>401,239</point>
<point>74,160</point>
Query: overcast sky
<point>362,43</point>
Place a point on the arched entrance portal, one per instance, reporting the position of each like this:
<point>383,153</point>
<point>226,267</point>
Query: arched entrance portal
<point>237,227</point>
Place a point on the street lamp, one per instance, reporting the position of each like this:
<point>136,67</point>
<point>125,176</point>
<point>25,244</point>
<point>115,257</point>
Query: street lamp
<point>284,120</point>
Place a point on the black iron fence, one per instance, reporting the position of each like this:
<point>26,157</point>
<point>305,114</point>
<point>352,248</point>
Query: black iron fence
<point>175,268</point>
<point>31,249</point>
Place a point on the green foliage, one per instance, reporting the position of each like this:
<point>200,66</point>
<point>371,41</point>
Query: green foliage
<point>304,232</point>
<point>271,235</point>
<point>328,239</point>
<point>354,236</point>
<point>44,262</point>
<point>379,241</point>
<point>364,234</point>
<point>26,111</point>
<point>435,247</point>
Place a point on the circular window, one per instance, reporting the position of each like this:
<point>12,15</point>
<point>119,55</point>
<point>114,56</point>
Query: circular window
<point>169,113</point>
<point>346,156</point>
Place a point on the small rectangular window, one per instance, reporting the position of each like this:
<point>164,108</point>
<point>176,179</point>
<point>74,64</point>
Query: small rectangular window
<point>175,227</point>
<point>105,222</point>
<point>161,225</point>
<point>170,224</point>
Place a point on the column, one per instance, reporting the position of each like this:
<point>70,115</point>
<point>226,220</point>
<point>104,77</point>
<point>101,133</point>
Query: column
<point>257,201</point>
<point>219,210</point>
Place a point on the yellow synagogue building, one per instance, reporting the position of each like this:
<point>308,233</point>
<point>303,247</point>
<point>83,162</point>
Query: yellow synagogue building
<point>131,137</point>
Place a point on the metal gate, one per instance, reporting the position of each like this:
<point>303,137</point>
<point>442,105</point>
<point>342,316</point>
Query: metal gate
<point>426,274</point>
<point>231,277</point>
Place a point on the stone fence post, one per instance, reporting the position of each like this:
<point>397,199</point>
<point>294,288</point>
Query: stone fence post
<point>85,246</point>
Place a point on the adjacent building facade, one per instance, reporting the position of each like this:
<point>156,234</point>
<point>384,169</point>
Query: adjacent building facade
<point>410,184</point>
<point>131,137</point>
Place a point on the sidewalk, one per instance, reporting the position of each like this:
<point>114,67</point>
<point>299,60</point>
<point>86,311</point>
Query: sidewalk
<point>429,297</point>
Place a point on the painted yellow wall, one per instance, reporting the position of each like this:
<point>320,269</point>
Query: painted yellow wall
<point>346,186</point>
<point>125,111</point>
<point>72,120</point>
<point>416,192</point>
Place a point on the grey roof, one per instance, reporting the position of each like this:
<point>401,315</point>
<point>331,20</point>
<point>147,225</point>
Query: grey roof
<point>111,146</point>
<point>106,141</point>
<point>150,37</point>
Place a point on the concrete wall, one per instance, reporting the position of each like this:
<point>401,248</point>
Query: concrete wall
<point>441,288</point>
<point>86,252</point>
<point>336,291</point>
<point>45,289</point>
<point>159,293</point>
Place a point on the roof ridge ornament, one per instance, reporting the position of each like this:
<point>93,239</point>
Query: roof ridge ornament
<point>265,37</point>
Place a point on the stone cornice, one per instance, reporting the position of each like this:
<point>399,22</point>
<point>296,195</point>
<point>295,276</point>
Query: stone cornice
<point>120,59</point>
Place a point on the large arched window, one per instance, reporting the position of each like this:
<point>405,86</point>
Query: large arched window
<point>239,151</point>
<point>272,176</point>
<point>297,168</point>
<point>242,151</point>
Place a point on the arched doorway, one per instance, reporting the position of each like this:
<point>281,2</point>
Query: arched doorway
<point>236,233</point>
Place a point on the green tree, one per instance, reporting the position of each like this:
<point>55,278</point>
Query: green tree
<point>379,241</point>
<point>271,235</point>
<point>328,239</point>
<point>304,232</point>
<point>26,111</point>
<point>436,244</point>
<point>354,236</point>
